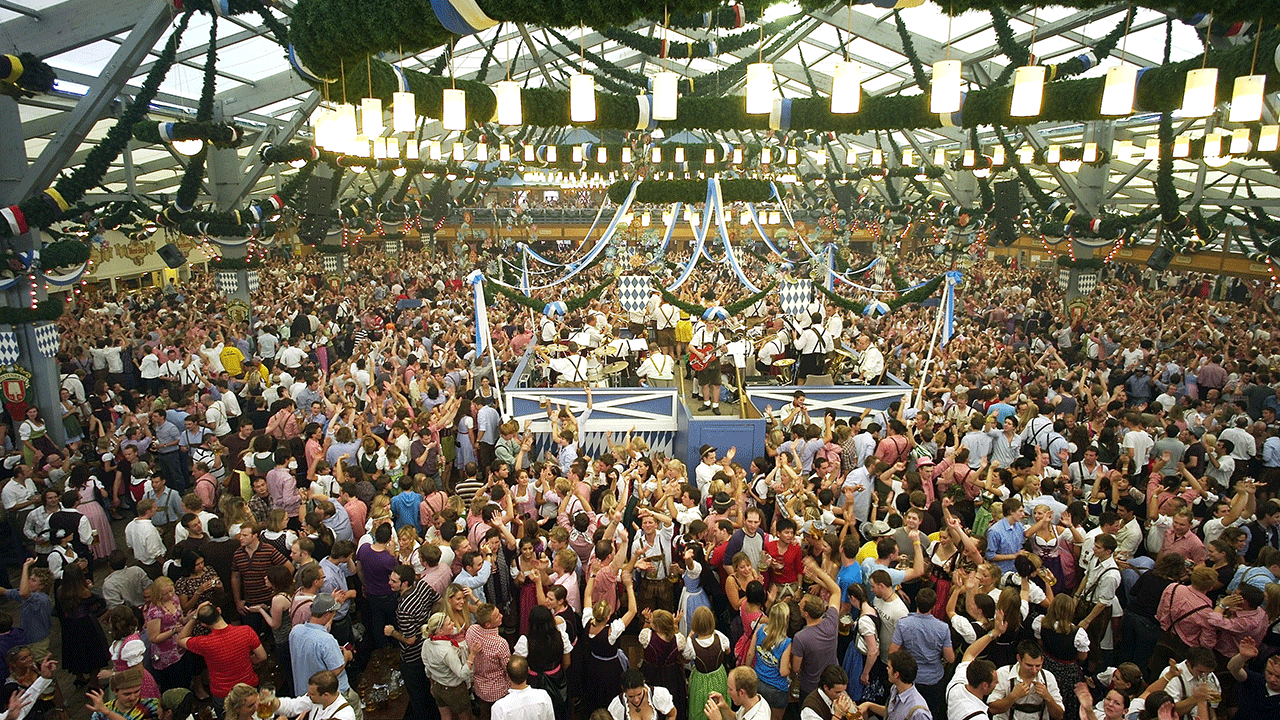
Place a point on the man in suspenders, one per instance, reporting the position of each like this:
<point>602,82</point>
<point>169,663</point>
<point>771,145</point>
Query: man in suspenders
<point>813,350</point>
<point>1024,691</point>
<point>1098,591</point>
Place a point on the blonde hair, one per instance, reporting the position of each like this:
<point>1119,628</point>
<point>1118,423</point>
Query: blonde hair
<point>1060,617</point>
<point>434,623</point>
<point>600,612</point>
<point>775,630</point>
<point>158,586</point>
<point>663,622</point>
<point>704,621</point>
<point>276,519</point>
<point>239,695</point>
<point>408,536</point>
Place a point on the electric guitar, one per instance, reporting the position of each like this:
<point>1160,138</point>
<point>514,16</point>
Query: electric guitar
<point>701,357</point>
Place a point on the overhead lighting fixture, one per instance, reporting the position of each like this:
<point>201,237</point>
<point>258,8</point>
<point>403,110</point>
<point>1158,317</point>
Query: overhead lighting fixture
<point>344,130</point>
<point>393,148</point>
<point>997,156</point>
<point>793,157</point>
<point>1123,150</point>
<point>404,112</point>
<point>454,114</point>
<point>737,155</point>
<point>775,217</point>
<point>482,151</point>
<point>187,147</point>
<point>626,154</point>
<point>371,117</point>
<point>1200,93</point>
<point>877,157</point>
<point>411,149</point>
<point>846,88</point>
<point>820,157</point>
<point>1090,154</point>
<point>530,153</point>
<point>1246,99</point>
<point>459,151</point>
<point>656,155</point>
<point>504,153</point>
<point>582,98</point>
<point>1026,155</point>
<point>552,153</point>
<point>709,157</point>
<point>575,154</point>
<point>433,150</point>
<point>379,149</point>
<point>645,218</point>
<point>1054,155</point>
<point>679,154</point>
<point>939,156</point>
<point>759,88</point>
<point>944,97</point>
<point>969,159</point>
<point>602,155</point>
<point>1152,149</point>
<point>1212,145</point>
<point>908,158</point>
<point>1028,91</point>
<point>1117,94</point>
<point>1069,166</point>
<point>1241,143</point>
<point>666,95</point>
<point>766,155</point>
<point>1182,146</point>
<point>1269,138</point>
<point>510,105</point>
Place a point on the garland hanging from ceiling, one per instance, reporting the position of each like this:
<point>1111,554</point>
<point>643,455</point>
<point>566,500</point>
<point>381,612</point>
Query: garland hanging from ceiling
<point>659,48</point>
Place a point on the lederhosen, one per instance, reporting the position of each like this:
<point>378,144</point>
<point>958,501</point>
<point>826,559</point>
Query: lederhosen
<point>1096,629</point>
<point>1038,708</point>
<point>815,361</point>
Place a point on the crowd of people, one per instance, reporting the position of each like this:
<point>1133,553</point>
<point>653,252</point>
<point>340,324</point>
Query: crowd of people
<point>1075,519</point>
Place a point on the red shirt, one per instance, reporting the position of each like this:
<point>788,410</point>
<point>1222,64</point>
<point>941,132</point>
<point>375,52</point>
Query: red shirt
<point>228,652</point>
<point>792,562</point>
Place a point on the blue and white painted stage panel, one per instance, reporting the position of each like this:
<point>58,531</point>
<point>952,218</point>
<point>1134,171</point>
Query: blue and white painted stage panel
<point>845,400</point>
<point>650,411</point>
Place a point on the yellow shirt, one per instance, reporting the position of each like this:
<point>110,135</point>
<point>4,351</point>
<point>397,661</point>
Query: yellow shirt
<point>232,358</point>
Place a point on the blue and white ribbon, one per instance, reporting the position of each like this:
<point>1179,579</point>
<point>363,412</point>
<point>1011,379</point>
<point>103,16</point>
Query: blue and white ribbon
<point>724,237</point>
<point>401,80</point>
<point>949,306</point>
<point>307,73</point>
<point>644,114</point>
<point>476,279</point>
<point>701,237</point>
<point>65,279</point>
<point>670,228</point>
<point>461,17</point>
<point>780,115</point>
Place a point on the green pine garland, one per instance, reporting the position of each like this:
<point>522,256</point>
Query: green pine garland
<point>36,77</point>
<point>44,311</point>
<point>64,253</point>
<point>734,308</point>
<point>652,46</point>
<point>219,134</point>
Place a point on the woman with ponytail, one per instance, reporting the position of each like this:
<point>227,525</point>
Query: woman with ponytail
<point>608,662</point>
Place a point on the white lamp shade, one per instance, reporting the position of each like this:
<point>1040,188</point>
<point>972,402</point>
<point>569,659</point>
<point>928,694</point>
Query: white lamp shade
<point>551,153</point>
<point>188,147</point>
<point>1240,141</point>
<point>1053,155</point>
<point>1090,154</point>
<point>646,218</point>
<point>510,109</point>
<point>908,157</point>
<point>379,149</point>
<point>775,217</point>
<point>709,157</point>
<point>679,155</point>
<point>626,154</point>
<point>454,114</point>
<point>759,88</point>
<point>877,157</point>
<point>411,150</point>
<point>792,156</point>
<point>459,151</point>
<point>602,155</point>
<point>1028,91</point>
<point>1200,93</point>
<point>345,124</point>
<point>404,112</point>
<point>1123,150</point>
<point>846,88</point>
<point>529,153</point>
<point>1181,146</point>
<point>820,157</point>
<point>665,95</point>
<point>997,156</point>
<point>944,97</point>
<point>1152,149</point>
<point>657,154</point>
<point>504,152</point>
<point>737,156</point>
<point>766,155</point>
<point>582,98</point>
<point>1026,154</point>
<point>393,148</point>
<point>1117,94</point>
<point>1246,99</point>
<point>482,152</point>
<point>969,159</point>
<point>939,156</point>
<point>371,117</point>
<point>575,154</point>
<point>1212,145</point>
<point>433,150</point>
<point>1269,138</point>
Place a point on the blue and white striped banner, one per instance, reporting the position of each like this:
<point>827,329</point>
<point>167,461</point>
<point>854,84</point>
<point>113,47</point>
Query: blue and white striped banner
<point>700,236</point>
<point>718,209</point>
<point>482,314</point>
<point>949,306</point>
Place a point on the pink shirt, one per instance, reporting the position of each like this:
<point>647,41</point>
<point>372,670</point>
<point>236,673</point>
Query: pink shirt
<point>569,581</point>
<point>1224,633</point>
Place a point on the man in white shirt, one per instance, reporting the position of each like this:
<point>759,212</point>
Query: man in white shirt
<point>1137,441</point>
<point>1024,691</point>
<point>973,681</point>
<point>322,702</point>
<point>664,320</point>
<point>743,692</point>
<point>870,361</point>
<point>20,493</point>
<point>706,346</point>
<point>521,701</point>
<point>291,356</point>
<point>657,369</point>
<point>143,538</point>
<point>640,700</point>
<point>1193,673</point>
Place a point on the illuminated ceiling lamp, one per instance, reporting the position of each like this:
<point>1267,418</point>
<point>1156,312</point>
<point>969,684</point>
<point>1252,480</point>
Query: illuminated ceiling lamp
<point>510,109</point>
<point>344,124</point>
<point>944,96</point>
<point>846,88</point>
<point>453,116</point>
<point>1241,143</point>
<point>371,117</point>
<point>582,98</point>
<point>997,156</point>
<point>1199,95</point>
<point>1117,94</point>
<point>1028,91</point>
<point>187,147</point>
<point>759,88</point>
<point>666,95</point>
<point>1246,99</point>
<point>1123,150</point>
<point>404,112</point>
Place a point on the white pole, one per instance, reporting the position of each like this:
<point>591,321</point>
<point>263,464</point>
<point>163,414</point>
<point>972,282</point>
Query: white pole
<point>933,339</point>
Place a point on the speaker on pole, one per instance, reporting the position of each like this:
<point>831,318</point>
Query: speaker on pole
<point>319,194</point>
<point>1160,259</point>
<point>1004,212</point>
<point>172,256</point>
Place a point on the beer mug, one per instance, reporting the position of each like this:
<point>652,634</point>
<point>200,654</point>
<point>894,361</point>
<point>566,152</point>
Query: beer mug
<point>266,702</point>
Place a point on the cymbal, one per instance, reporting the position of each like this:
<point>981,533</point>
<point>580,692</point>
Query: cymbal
<point>615,368</point>
<point>846,353</point>
<point>555,348</point>
<point>784,362</point>
<point>602,350</point>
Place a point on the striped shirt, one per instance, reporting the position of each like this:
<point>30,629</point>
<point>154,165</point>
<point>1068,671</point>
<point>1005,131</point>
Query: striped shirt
<point>254,588</point>
<point>412,612</point>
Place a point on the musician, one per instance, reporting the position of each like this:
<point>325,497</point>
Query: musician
<point>547,331</point>
<point>573,369</point>
<point>664,321</point>
<point>640,326</point>
<point>705,347</point>
<point>774,349</point>
<point>658,369</point>
<point>870,361</point>
<point>812,348</point>
<point>590,337</point>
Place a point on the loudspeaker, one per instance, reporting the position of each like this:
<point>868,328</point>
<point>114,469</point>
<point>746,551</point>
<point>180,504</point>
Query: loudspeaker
<point>319,195</point>
<point>1160,259</point>
<point>172,256</point>
<point>1004,212</point>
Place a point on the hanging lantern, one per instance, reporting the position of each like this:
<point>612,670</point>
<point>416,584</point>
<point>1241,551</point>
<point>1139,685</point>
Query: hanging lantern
<point>1028,91</point>
<point>433,150</point>
<point>411,149</point>
<point>602,155</point>
<point>322,127</point>
<point>582,98</point>
<point>656,155</point>
<point>626,154</point>
<point>737,156</point>
<point>1123,150</point>
<point>393,148</point>
<point>759,88</point>
<point>1246,99</point>
<point>459,151</point>
<point>379,149</point>
<point>575,154</point>
<point>944,97</point>
<point>665,95</point>
<point>939,156</point>
<point>529,153</point>
<point>679,154</point>
<point>482,152</point>
<point>709,157</point>
<point>345,124</point>
<point>1200,93</point>
<point>997,156</point>
<point>1053,155</point>
<point>1269,138</point>
<point>510,108</point>
<point>846,88</point>
<point>1240,141</point>
<point>969,159</point>
<point>1090,154</point>
<point>1181,146</point>
<point>766,155</point>
<point>1117,94</point>
<point>504,153</point>
<point>371,117</point>
<point>454,114</point>
<point>1152,149</point>
<point>792,156</point>
<point>404,112</point>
